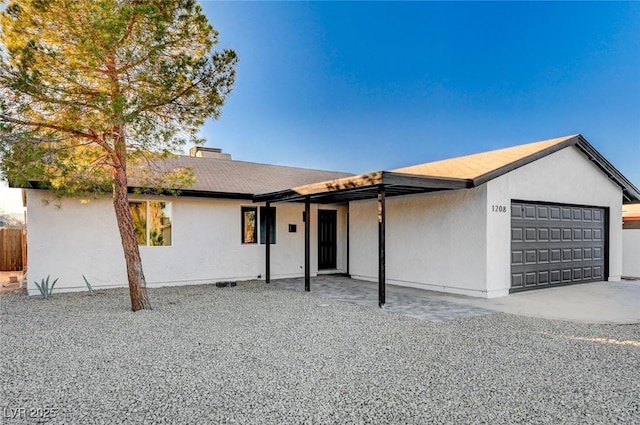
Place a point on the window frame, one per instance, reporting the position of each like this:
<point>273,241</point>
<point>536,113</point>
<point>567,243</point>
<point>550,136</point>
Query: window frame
<point>259,232</point>
<point>243,210</point>
<point>147,207</point>
<point>262,220</point>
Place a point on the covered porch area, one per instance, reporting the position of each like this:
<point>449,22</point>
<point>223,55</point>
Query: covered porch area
<point>378,185</point>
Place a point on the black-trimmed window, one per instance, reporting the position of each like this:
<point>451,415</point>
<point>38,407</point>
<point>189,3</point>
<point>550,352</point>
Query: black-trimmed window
<point>249,228</point>
<point>152,222</point>
<point>272,224</point>
<point>254,225</point>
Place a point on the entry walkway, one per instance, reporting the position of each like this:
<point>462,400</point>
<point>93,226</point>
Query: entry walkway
<point>596,302</point>
<point>425,305</point>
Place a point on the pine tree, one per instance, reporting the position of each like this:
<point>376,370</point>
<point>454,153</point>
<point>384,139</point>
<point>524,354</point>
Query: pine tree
<point>93,90</point>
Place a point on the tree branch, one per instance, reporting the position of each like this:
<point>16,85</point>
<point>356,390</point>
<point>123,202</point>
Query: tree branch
<point>78,133</point>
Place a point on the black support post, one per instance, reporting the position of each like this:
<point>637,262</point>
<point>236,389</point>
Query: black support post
<point>267,242</point>
<point>348,247</point>
<point>307,245</point>
<point>381,246</point>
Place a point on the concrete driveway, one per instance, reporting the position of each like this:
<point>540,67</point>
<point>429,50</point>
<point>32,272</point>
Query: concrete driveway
<point>596,302</point>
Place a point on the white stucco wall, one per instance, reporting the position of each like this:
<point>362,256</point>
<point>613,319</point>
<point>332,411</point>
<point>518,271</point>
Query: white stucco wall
<point>566,176</point>
<point>75,239</point>
<point>433,241</point>
<point>631,253</point>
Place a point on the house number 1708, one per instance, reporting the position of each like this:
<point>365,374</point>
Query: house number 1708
<point>499,208</point>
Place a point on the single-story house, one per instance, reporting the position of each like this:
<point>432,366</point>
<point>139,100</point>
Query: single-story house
<point>531,216</point>
<point>631,241</point>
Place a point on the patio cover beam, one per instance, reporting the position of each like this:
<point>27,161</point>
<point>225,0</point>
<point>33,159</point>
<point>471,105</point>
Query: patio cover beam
<point>364,186</point>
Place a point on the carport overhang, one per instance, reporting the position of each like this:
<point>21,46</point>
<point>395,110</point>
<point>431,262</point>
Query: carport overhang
<point>378,185</point>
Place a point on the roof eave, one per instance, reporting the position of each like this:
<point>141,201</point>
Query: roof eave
<point>630,193</point>
<point>170,192</point>
<point>192,193</point>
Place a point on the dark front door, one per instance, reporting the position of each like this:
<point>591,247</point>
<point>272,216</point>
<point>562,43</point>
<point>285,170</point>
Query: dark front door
<point>327,236</point>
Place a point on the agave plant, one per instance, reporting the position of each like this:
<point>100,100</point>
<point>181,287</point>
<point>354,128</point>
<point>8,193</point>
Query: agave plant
<point>88,286</point>
<point>44,288</point>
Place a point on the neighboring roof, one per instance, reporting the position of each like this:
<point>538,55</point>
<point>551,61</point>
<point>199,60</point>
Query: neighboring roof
<point>239,179</point>
<point>631,212</point>
<point>466,171</point>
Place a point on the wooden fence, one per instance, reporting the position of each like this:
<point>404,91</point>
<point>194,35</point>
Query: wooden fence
<point>12,249</point>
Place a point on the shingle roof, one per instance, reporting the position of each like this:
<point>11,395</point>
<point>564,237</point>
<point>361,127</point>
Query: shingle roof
<point>224,176</point>
<point>479,164</point>
<point>461,172</point>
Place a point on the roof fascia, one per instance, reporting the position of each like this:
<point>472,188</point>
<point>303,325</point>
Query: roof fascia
<point>190,192</point>
<point>178,192</point>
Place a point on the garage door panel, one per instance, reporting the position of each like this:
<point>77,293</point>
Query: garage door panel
<point>517,234</point>
<point>517,280</point>
<point>543,256</point>
<point>597,253</point>
<point>555,244</point>
<point>530,279</point>
<point>577,274</point>
<point>530,256</point>
<point>517,257</point>
<point>543,212</point>
<point>530,212</point>
<point>543,234</point>
<point>530,234</point>
<point>598,215</point>
<point>543,277</point>
<point>577,234</point>
<point>577,254</point>
<point>597,272</point>
<point>516,211</point>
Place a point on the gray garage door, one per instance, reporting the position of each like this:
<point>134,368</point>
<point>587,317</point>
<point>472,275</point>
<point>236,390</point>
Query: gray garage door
<point>555,244</point>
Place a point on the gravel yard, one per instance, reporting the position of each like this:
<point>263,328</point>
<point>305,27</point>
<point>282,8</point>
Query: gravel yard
<point>255,354</point>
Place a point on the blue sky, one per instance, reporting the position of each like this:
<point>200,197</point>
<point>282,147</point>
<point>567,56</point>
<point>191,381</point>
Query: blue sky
<point>360,86</point>
<point>365,86</point>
